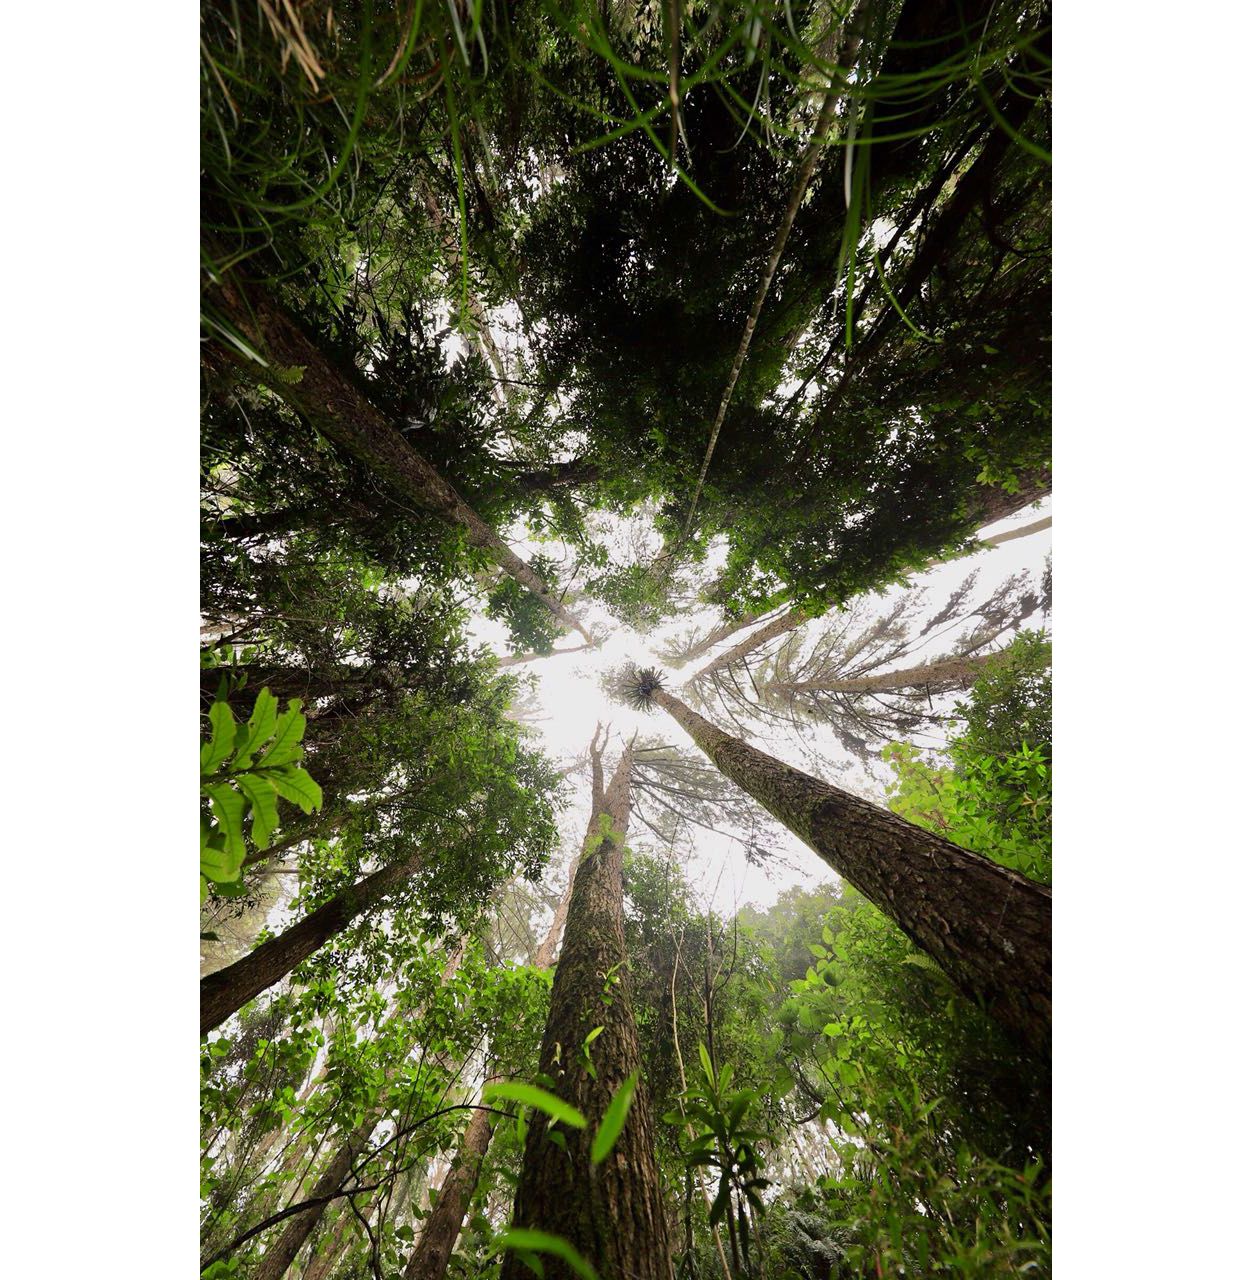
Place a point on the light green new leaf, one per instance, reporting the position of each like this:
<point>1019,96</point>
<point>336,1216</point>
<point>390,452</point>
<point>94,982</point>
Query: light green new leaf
<point>292,783</point>
<point>213,752</point>
<point>614,1119</point>
<point>523,1238</point>
<point>218,865</point>
<point>229,808</point>
<point>288,735</point>
<point>264,800</point>
<point>532,1096</point>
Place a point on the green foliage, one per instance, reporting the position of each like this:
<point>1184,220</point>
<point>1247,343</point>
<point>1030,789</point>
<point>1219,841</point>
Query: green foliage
<point>531,1095</point>
<point>244,770</point>
<point>529,1242</point>
<point>996,797</point>
<point>614,1121</point>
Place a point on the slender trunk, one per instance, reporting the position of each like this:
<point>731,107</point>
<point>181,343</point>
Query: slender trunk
<point>336,408</point>
<point>989,928</point>
<point>611,1213</point>
<point>429,1260</point>
<point>282,1253</point>
<point>990,504</point>
<point>850,43</point>
<point>785,622</point>
<point>228,990</point>
<point>938,677</point>
<point>516,659</point>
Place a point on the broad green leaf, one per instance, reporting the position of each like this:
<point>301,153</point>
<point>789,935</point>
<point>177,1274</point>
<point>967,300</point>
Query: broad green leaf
<point>294,784</point>
<point>213,752</point>
<point>288,735</point>
<point>264,801</point>
<point>720,1202</point>
<point>532,1096</point>
<point>228,807</point>
<point>218,865</point>
<point>524,1238</point>
<point>614,1119</point>
<point>260,728</point>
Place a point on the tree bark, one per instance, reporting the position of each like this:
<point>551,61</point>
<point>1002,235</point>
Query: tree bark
<point>989,928</point>
<point>336,408</point>
<point>229,989</point>
<point>611,1213</point>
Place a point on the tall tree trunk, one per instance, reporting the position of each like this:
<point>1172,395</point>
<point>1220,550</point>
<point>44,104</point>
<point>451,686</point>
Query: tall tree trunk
<point>229,989</point>
<point>611,1213</point>
<point>333,404</point>
<point>716,636</point>
<point>941,676</point>
<point>989,928</point>
<point>429,1260</point>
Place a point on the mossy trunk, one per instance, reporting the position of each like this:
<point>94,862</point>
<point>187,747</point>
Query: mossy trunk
<point>229,989</point>
<point>299,373</point>
<point>612,1213</point>
<point>989,928</point>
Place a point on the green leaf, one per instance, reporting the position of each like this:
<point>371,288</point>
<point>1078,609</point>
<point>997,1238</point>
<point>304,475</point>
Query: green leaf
<point>213,752</point>
<point>614,1119</point>
<point>523,1238</point>
<point>259,729</point>
<point>264,801</point>
<point>229,807</point>
<point>294,784</point>
<point>721,1201</point>
<point>532,1096</point>
<point>218,865</point>
<point>707,1063</point>
<point>288,735</point>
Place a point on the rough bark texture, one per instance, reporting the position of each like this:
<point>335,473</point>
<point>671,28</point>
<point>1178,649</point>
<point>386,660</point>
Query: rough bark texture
<point>429,1260</point>
<point>334,405</point>
<point>989,928</point>
<point>279,1256</point>
<point>941,676</point>
<point>611,1213</point>
<point>228,990</point>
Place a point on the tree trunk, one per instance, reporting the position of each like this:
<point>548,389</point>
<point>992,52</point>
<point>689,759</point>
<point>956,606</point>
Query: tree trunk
<point>429,1260</point>
<point>785,622</point>
<point>989,928</point>
<point>611,1213</point>
<point>228,990</point>
<point>716,636</point>
<point>940,676</point>
<point>282,1252</point>
<point>336,408</point>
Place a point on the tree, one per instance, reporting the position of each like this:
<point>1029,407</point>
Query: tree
<point>296,370</point>
<point>610,1211</point>
<point>987,927</point>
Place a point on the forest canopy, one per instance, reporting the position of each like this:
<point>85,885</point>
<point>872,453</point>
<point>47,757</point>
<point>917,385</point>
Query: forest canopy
<point>625,656</point>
